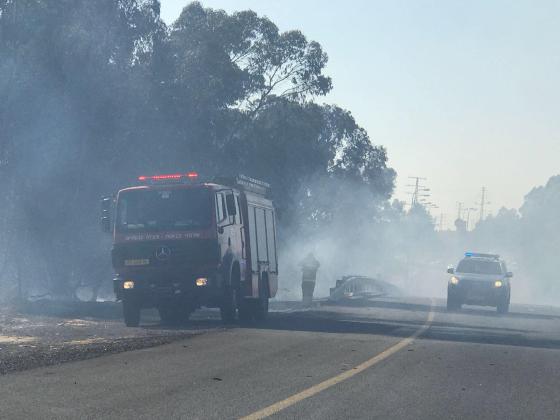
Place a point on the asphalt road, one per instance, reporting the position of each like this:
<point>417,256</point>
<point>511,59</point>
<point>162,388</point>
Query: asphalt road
<point>383,359</point>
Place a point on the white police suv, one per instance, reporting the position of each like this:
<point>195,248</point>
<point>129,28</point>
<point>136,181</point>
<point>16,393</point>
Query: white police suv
<point>479,279</point>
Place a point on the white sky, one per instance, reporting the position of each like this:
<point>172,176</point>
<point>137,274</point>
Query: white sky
<point>464,93</point>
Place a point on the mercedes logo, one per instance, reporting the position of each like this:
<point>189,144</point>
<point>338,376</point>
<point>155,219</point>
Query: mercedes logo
<point>163,253</point>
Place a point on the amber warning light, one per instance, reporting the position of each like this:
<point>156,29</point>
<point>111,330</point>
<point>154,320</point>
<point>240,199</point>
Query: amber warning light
<point>169,177</point>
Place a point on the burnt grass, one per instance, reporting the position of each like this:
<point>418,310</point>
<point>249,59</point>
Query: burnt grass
<point>46,333</point>
<point>22,357</point>
<point>50,332</point>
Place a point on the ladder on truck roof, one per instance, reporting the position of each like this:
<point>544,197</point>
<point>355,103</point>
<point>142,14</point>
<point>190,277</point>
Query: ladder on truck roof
<point>246,183</point>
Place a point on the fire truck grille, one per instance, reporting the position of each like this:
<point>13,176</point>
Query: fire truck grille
<point>165,254</point>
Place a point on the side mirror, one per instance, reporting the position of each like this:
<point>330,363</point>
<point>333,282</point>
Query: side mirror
<point>509,274</point>
<point>451,270</point>
<point>230,204</point>
<point>106,204</point>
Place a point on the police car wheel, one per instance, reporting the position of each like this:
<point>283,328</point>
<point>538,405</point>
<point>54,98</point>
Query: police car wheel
<point>453,304</point>
<point>131,312</point>
<point>503,307</point>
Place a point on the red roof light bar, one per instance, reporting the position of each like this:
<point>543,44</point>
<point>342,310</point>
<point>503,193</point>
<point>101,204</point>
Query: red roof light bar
<point>168,177</point>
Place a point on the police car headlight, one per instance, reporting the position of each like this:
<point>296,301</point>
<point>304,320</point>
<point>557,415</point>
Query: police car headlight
<point>454,280</point>
<point>498,283</point>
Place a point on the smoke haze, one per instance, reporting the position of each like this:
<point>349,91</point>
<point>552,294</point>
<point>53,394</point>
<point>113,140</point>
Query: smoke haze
<point>97,93</point>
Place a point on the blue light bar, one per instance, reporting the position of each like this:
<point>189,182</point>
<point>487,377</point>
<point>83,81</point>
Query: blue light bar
<point>480,255</point>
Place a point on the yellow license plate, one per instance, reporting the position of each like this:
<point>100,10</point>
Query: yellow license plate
<point>136,262</point>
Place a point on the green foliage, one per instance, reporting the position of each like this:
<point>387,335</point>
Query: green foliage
<point>529,238</point>
<point>96,92</point>
<point>69,72</point>
<point>540,227</point>
<point>316,157</point>
<point>243,59</point>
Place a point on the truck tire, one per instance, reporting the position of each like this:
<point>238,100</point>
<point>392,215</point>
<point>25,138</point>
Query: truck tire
<point>261,305</point>
<point>228,308</point>
<point>453,304</point>
<point>245,310</point>
<point>131,312</point>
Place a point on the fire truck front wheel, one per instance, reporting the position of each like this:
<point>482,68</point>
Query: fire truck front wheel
<point>131,312</point>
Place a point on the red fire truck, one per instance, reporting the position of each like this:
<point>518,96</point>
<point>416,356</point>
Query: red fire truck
<point>180,244</point>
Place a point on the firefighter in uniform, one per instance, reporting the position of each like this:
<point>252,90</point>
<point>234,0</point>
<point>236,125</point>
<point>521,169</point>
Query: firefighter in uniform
<point>309,266</point>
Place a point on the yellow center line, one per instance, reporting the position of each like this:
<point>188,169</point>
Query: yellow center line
<point>315,389</point>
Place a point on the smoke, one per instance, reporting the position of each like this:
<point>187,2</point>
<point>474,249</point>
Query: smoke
<point>363,234</point>
<point>528,240</point>
<point>61,83</point>
<point>373,237</point>
<point>78,119</point>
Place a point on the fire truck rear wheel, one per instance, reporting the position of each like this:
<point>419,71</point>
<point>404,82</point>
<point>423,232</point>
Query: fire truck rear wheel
<point>245,310</point>
<point>261,307</point>
<point>228,308</point>
<point>131,312</point>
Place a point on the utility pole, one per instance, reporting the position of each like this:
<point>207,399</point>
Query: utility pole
<point>441,219</point>
<point>428,205</point>
<point>460,224</point>
<point>459,211</point>
<point>482,203</point>
<point>419,191</point>
<point>468,211</point>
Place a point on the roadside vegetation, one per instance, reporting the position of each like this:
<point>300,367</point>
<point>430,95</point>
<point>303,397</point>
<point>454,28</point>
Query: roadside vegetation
<point>95,93</point>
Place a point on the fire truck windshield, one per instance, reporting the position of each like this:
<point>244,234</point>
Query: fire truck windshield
<point>156,210</point>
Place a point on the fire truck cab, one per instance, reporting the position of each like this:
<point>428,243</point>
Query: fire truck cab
<point>180,244</point>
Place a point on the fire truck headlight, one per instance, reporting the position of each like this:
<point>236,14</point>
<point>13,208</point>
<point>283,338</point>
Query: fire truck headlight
<point>129,284</point>
<point>202,281</point>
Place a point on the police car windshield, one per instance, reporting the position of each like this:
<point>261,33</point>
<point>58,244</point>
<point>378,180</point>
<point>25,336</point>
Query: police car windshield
<point>173,209</point>
<point>479,266</point>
